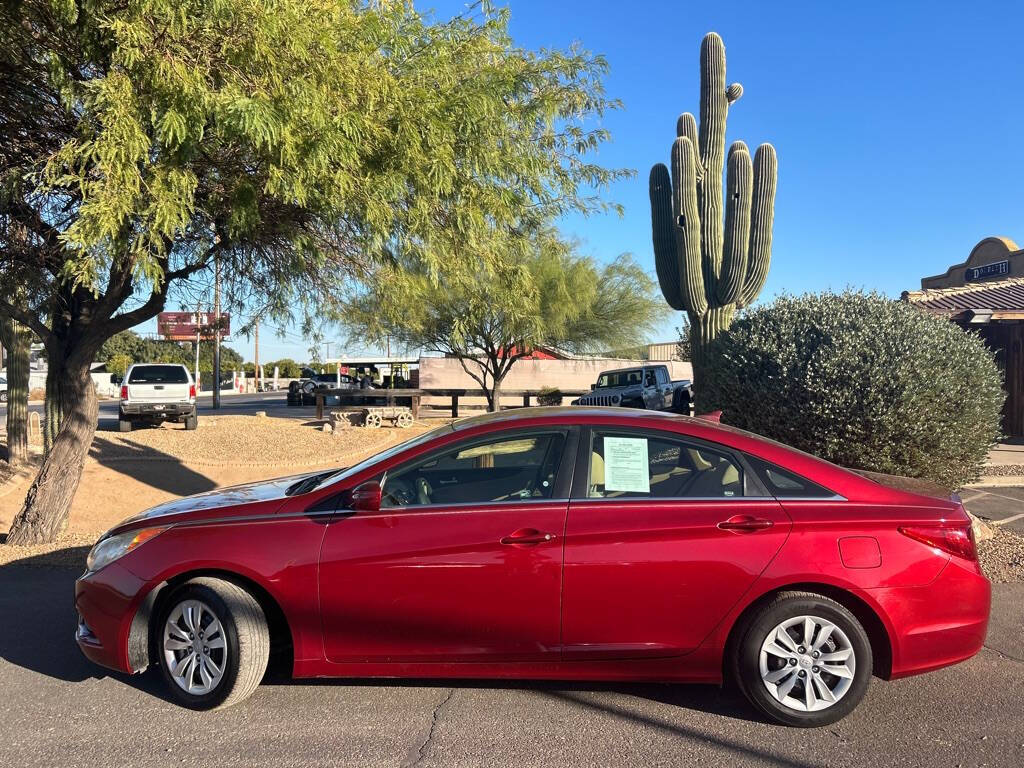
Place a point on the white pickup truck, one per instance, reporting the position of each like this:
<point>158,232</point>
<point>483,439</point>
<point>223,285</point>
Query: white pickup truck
<point>155,392</point>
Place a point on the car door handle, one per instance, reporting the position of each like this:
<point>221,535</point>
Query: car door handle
<point>447,482</point>
<point>527,536</point>
<point>745,524</point>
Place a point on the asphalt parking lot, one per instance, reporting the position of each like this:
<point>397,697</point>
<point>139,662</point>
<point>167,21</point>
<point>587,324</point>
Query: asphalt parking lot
<point>57,709</point>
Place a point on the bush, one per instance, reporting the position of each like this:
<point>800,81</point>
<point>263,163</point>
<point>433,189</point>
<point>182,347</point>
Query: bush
<point>860,380</point>
<point>549,396</point>
<point>118,364</point>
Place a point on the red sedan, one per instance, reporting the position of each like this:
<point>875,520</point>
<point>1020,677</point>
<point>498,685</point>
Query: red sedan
<point>572,544</point>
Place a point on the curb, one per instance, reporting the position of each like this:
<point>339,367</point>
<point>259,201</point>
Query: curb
<point>997,481</point>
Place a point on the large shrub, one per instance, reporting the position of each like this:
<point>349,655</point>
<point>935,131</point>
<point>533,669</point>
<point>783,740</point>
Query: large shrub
<point>860,380</point>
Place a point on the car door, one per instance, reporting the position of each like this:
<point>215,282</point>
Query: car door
<point>664,387</point>
<point>460,571</point>
<point>664,535</point>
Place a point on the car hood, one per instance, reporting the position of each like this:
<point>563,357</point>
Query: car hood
<point>223,498</point>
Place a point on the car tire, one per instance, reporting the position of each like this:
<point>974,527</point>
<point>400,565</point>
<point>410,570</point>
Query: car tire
<point>242,658</point>
<point>3,397</point>
<point>191,422</point>
<point>761,657</point>
<point>124,425</point>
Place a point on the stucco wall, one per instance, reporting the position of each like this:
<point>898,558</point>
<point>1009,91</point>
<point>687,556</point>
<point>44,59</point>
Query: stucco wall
<point>447,373</point>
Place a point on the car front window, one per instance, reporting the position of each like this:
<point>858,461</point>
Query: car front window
<point>510,468</point>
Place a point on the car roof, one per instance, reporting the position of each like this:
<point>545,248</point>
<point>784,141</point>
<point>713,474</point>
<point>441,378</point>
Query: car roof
<point>636,367</point>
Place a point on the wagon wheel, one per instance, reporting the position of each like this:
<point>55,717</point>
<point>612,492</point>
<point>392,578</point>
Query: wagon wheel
<point>372,420</point>
<point>404,420</point>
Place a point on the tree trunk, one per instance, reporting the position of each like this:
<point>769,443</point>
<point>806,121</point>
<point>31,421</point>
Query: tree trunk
<point>704,329</point>
<point>494,396</point>
<point>44,514</point>
<point>18,340</point>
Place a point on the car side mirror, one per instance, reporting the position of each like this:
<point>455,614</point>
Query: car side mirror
<point>365,497</point>
<point>115,379</point>
<point>593,387</point>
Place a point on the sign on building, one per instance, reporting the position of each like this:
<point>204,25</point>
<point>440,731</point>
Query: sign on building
<point>996,269</point>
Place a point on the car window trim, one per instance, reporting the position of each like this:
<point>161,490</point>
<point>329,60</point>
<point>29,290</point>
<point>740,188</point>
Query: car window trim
<point>563,476</point>
<point>582,473</point>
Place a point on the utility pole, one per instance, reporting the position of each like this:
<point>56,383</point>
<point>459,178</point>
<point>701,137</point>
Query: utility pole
<point>256,356</point>
<point>199,332</point>
<point>216,333</point>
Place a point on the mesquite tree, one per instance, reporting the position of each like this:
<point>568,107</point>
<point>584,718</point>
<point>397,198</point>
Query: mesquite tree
<point>297,144</point>
<point>549,296</point>
<point>706,269</point>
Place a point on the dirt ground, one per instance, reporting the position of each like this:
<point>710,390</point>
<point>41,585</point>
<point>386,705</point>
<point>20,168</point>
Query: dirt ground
<point>127,473</point>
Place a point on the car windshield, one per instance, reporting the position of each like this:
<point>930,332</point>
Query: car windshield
<point>342,474</point>
<point>158,374</point>
<point>619,378</point>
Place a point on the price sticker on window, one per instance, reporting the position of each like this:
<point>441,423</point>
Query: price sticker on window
<point>625,465</point>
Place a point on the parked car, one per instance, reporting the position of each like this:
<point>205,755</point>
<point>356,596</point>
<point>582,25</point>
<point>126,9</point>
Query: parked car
<point>645,386</point>
<point>3,390</point>
<point>554,543</point>
<point>156,392</point>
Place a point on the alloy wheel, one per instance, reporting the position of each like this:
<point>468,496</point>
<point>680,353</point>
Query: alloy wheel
<point>195,647</point>
<point>807,663</point>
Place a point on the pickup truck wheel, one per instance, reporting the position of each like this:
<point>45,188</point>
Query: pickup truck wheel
<point>124,425</point>
<point>191,422</point>
<point>682,404</point>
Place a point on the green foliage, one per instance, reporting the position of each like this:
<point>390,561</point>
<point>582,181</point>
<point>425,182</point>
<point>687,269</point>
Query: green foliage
<point>551,296</point>
<point>705,268</point>
<point>286,369</point>
<point>549,396</point>
<point>861,380</point>
<point>297,142</point>
<point>136,349</point>
<point>118,364</point>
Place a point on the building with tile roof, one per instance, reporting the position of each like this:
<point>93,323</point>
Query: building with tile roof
<point>986,294</point>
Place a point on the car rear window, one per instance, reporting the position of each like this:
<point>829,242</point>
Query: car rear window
<point>783,484</point>
<point>158,374</point>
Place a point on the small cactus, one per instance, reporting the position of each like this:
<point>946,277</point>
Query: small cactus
<point>709,266</point>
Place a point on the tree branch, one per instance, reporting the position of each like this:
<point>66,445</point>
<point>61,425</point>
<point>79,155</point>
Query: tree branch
<point>28,318</point>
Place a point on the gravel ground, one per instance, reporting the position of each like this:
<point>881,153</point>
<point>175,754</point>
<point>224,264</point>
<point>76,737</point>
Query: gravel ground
<point>1003,470</point>
<point>1002,556</point>
<point>248,440</point>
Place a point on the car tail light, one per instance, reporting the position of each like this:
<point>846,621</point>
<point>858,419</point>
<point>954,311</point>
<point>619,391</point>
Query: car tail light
<point>124,391</point>
<point>955,539</point>
<point>192,392</point>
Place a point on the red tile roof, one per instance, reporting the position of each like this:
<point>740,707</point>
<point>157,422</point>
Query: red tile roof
<point>990,297</point>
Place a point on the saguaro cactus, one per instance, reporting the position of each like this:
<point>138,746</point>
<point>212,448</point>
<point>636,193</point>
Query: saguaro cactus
<point>706,268</point>
<point>17,339</point>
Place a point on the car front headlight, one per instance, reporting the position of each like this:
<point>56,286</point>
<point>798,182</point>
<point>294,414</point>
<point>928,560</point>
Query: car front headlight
<point>109,549</point>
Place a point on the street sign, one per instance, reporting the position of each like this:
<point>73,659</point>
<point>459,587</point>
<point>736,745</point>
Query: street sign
<point>181,326</point>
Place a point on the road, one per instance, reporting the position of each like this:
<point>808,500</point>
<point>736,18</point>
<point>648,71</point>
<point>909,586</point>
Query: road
<point>230,404</point>
<point>57,709</point>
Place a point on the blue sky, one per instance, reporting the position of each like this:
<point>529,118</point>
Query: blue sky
<point>899,126</point>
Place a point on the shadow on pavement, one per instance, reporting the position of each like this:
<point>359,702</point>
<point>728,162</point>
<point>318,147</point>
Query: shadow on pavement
<point>37,593</point>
